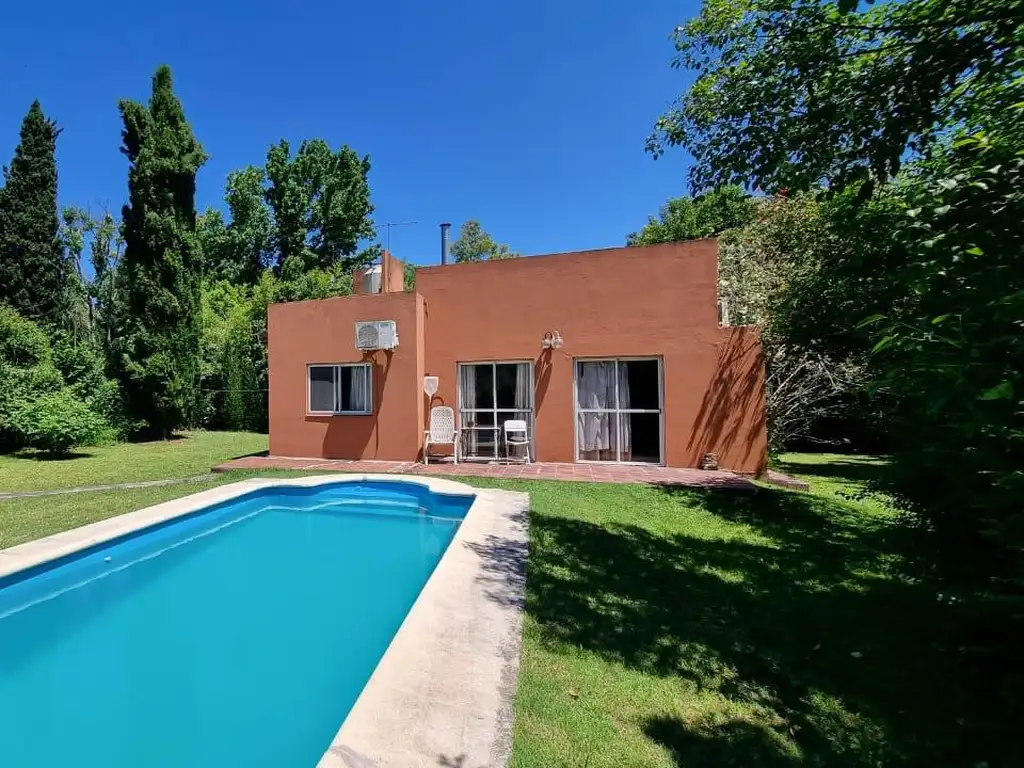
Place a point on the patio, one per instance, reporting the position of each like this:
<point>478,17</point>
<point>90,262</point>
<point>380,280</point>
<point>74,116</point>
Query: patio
<point>592,473</point>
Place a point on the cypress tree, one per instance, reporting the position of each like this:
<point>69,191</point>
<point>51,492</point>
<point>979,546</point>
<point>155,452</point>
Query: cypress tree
<point>158,347</point>
<point>33,272</point>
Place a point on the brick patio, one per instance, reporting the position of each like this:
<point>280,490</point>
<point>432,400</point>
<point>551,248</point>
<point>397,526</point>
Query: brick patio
<point>593,473</point>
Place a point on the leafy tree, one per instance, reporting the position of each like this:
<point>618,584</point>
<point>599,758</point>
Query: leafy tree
<point>791,93</point>
<point>240,250</point>
<point>33,274</point>
<point>161,268</point>
<point>104,254</point>
<point>76,311</point>
<point>693,218</point>
<point>475,244</point>
<point>320,201</point>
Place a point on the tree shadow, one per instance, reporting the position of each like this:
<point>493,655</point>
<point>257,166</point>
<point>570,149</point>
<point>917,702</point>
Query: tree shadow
<point>849,470</point>
<point>812,625</point>
<point>43,456</point>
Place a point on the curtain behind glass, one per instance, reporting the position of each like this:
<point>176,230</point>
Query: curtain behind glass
<point>467,388</point>
<point>360,399</point>
<point>595,389</point>
<point>625,423</point>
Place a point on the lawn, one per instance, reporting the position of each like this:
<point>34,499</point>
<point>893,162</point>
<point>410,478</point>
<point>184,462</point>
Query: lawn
<point>672,628</point>
<point>186,455</point>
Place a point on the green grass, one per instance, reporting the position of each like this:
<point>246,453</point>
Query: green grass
<point>188,454</point>
<point>23,520</point>
<point>672,627</point>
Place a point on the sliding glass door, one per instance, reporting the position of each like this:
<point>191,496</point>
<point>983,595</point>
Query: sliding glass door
<point>619,410</point>
<point>489,395</point>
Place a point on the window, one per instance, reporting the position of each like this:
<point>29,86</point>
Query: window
<point>340,388</point>
<point>489,395</point>
<point>618,410</point>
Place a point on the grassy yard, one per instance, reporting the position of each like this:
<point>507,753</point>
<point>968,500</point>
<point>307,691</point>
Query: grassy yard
<point>681,628</point>
<point>187,454</point>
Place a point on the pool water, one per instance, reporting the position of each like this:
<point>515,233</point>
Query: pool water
<point>241,635</point>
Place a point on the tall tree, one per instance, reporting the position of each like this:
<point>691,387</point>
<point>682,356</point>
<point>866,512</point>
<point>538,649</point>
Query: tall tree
<point>475,244</point>
<point>693,218</point>
<point>239,251</point>
<point>161,270</point>
<point>320,200</point>
<point>32,268</point>
<point>791,93</point>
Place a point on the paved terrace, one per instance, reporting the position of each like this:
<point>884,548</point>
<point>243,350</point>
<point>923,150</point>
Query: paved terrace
<point>591,473</point>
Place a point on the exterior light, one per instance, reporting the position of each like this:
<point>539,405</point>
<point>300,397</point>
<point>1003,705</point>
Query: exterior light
<point>430,385</point>
<point>552,340</point>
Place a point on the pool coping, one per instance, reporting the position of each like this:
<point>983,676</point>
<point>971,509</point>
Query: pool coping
<point>442,693</point>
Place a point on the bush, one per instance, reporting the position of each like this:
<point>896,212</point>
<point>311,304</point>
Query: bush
<point>80,364</point>
<point>57,422</point>
<point>22,342</point>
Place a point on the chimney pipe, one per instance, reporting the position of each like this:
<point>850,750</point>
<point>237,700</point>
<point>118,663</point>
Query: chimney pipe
<point>445,227</point>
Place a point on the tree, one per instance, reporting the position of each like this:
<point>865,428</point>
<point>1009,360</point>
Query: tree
<point>33,274</point>
<point>161,268</point>
<point>792,93</point>
<point>475,244</point>
<point>320,201</point>
<point>240,250</point>
<point>693,218</point>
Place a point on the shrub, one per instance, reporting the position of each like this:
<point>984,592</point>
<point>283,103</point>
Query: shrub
<point>57,422</point>
<point>80,364</point>
<point>22,342</point>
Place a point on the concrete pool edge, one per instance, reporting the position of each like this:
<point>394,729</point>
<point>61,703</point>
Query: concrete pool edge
<point>443,691</point>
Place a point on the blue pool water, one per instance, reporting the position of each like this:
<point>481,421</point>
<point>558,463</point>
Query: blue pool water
<point>241,635</point>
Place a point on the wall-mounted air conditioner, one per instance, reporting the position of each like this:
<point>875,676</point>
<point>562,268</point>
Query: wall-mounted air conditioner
<point>376,334</point>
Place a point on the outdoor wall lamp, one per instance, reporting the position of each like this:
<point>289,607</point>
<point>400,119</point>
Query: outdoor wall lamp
<point>430,385</point>
<point>552,340</point>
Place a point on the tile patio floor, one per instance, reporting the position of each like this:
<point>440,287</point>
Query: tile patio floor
<point>593,473</point>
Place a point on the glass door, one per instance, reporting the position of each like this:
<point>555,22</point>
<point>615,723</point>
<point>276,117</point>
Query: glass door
<point>619,410</point>
<point>489,395</point>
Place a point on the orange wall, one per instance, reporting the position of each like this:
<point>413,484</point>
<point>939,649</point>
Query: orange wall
<point>659,301</point>
<point>619,302</point>
<point>324,332</point>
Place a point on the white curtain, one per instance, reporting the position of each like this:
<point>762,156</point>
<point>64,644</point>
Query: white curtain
<point>625,422</point>
<point>595,389</point>
<point>360,378</point>
<point>467,387</point>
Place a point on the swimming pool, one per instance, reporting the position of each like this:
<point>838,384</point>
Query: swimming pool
<point>241,634</point>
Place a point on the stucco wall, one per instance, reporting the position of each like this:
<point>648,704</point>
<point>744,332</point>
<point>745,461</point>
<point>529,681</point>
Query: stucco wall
<point>659,301</point>
<point>324,332</point>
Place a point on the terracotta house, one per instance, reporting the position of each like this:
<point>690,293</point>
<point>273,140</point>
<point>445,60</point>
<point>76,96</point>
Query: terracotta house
<point>614,355</point>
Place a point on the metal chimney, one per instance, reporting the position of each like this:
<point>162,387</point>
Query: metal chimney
<point>445,227</point>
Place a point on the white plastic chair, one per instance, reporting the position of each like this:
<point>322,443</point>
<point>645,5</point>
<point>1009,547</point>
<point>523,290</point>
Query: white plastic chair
<point>516,435</point>
<point>442,431</point>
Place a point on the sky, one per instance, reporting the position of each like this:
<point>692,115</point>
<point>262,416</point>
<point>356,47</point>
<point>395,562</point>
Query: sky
<point>528,116</point>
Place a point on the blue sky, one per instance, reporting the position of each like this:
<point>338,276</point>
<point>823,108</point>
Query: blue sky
<point>529,116</point>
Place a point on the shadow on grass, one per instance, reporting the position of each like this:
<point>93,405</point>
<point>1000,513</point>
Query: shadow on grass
<point>41,456</point>
<point>825,652</point>
<point>848,470</point>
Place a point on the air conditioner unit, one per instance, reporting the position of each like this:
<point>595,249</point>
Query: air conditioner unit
<point>376,334</point>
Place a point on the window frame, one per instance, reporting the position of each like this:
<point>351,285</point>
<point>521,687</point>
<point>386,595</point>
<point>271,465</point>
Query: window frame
<point>494,409</point>
<point>616,412</point>
<point>337,389</point>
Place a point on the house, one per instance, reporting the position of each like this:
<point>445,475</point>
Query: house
<point>613,355</point>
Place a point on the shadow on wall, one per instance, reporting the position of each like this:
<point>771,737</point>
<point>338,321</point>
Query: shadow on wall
<point>731,419</point>
<point>805,642</point>
<point>348,436</point>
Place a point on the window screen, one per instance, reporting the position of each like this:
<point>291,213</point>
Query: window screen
<point>323,389</point>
